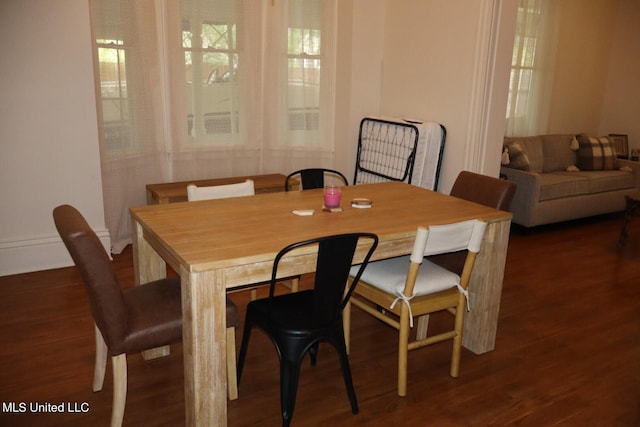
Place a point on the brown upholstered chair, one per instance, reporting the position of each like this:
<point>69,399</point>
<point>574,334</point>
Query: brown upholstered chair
<point>485,190</point>
<point>482,189</point>
<point>127,320</point>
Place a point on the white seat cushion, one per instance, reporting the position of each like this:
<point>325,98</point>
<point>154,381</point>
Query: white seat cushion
<point>390,276</point>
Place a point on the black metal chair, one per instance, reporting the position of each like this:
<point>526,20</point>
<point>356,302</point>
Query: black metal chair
<point>297,322</point>
<point>315,178</point>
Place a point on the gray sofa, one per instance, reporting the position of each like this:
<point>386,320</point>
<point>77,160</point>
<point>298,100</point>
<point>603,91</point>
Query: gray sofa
<point>551,188</point>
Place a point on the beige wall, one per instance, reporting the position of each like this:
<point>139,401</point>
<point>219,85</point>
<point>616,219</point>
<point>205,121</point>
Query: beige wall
<point>427,80</point>
<point>448,62</point>
<point>582,58</point>
<point>360,49</point>
<point>621,103</point>
<point>48,130</point>
<point>596,85</point>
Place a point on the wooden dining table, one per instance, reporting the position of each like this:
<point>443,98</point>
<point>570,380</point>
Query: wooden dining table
<point>220,244</point>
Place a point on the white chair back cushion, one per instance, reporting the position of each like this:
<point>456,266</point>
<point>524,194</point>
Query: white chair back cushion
<point>453,237</point>
<point>220,191</point>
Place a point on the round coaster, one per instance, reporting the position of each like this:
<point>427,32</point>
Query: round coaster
<point>361,203</point>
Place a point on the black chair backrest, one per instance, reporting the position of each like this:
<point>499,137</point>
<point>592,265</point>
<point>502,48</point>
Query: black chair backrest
<point>314,177</point>
<point>101,283</point>
<point>335,257</point>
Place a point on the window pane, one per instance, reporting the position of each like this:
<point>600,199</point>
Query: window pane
<point>304,41</point>
<point>113,93</point>
<point>304,66</point>
<point>211,65</point>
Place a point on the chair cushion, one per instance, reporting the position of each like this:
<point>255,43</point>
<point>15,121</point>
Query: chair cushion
<point>153,315</point>
<point>390,275</point>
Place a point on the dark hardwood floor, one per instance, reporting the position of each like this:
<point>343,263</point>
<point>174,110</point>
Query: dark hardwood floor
<point>567,352</point>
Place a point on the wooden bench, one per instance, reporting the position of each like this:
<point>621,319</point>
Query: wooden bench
<point>171,192</point>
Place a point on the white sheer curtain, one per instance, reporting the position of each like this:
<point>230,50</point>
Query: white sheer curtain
<point>532,68</point>
<point>197,89</point>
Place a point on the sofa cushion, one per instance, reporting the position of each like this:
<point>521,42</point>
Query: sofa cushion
<point>609,180</point>
<point>557,185</point>
<point>558,155</point>
<point>532,146</point>
<point>595,153</point>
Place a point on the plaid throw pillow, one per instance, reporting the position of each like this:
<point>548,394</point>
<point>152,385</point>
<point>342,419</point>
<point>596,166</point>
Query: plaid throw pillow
<point>595,154</point>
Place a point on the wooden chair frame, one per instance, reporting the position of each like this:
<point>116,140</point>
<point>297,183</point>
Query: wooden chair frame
<point>370,298</point>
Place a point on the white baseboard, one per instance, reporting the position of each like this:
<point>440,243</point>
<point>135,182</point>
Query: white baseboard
<point>37,253</point>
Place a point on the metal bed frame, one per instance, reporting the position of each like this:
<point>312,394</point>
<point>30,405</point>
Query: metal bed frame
<point>387,151</point>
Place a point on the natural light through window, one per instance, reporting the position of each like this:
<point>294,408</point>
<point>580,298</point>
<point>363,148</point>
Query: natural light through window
<point>304,79</point>
<point>531,67</point>
<point>211,66</point>
<point>113,91</point>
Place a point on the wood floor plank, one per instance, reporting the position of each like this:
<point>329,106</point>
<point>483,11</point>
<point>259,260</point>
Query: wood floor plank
<point>567,351</point>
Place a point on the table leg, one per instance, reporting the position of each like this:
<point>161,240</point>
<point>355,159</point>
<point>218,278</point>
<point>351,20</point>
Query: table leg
<point>204,344</point>
<point>485,289</point>
<point>631,206</point>
<point>147,266</point>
